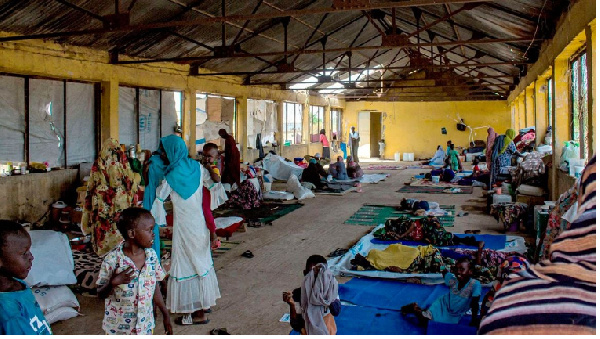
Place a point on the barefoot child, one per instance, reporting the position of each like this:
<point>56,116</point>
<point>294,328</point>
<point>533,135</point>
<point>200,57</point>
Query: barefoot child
<point>450,308</point>
<point>318,299</point>
<point>128,279</point>
<point>20,314</point>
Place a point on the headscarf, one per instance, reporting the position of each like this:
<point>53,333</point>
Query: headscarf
<point>492,135</point>
<point>111,189</point>
<point>509,136</point>
<point>439,153</point>
<point>317,293</point>
<point>182,173</point>
<point>156,174</point>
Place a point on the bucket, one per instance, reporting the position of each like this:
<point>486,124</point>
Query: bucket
<point>57,207</point>
<point>408,157</point>
<point>435,179</point>
<point>397,156</point>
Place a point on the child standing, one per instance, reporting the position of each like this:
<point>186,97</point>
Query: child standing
<point>464,294</point>
<point>20,314</point>
<point>128,279</point>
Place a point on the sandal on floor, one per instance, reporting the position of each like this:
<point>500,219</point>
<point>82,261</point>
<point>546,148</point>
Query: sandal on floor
<point>248,254</point>
<point>189,320</point>
<point>219,331</point>
<point>207,311</point>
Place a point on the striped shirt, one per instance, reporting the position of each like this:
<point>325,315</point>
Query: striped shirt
<point>556,296</point>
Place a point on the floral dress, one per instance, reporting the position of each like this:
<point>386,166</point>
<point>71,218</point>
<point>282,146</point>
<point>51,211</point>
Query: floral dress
<point>435,234</point>
<point>112,187</point>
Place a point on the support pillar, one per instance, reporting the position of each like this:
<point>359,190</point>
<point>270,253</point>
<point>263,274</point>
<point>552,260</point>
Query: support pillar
<point>189,120</point>
<point>530,105</point>
<point>560,116</point>
<point>109,110</point>
<point>241,124</point>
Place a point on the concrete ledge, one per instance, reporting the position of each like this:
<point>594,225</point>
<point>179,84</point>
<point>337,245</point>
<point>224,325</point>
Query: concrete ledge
<point>28,197</point>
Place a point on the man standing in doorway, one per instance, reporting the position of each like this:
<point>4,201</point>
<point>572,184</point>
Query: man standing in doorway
<point>353,141</point>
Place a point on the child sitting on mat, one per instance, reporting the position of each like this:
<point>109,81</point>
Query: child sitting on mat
<point>450,308</point>
<point>128,279</point>
<point>318,299</point>
<point>20,314</point>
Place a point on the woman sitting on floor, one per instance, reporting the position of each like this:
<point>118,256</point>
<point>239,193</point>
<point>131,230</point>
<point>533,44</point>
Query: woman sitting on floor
<point>438,157</point>
<point>312,174</point>
<point>338,169</point>
<point>353,168</point>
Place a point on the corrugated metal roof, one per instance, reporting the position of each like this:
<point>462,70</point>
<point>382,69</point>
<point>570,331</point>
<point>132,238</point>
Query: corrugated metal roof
<point>500,19</point>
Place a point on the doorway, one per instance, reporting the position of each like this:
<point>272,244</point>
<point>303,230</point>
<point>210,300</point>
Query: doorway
<point>369,128</point>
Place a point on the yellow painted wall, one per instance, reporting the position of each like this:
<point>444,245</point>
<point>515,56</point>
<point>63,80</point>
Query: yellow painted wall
<point>415,127</point>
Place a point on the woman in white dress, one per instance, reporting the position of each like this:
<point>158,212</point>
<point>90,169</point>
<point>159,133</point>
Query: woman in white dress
<point>192,286</point>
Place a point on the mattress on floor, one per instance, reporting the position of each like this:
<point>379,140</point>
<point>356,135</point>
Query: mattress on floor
<point>341,265</point>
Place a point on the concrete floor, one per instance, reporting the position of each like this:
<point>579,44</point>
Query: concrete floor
<point>251,288</point>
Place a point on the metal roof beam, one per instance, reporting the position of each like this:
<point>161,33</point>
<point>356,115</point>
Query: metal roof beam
<point>213,20</point>
<point>333,50</point>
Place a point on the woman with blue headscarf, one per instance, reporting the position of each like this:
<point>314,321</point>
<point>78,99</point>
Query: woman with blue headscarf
<point>192,286</point>
<point>156,174</point>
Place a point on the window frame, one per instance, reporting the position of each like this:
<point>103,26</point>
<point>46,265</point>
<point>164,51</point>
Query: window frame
<point>294,106</point>
<point>338,128</point>
<point>578,101</point>
<point>97,114</point>
<point>320,110</point>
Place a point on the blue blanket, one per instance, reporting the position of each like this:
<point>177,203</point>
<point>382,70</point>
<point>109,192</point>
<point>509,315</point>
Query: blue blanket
<point>492,241</point>
<point>390,294</point>
<point>377,309</point>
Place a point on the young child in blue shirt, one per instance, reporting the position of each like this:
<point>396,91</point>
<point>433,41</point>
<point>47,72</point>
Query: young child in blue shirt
<point>129,276</point>
<point>450,308</point>
<point>20,314</point>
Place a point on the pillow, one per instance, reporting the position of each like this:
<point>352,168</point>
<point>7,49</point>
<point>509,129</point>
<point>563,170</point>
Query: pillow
<point>53,263</point>
<point>53,298</point>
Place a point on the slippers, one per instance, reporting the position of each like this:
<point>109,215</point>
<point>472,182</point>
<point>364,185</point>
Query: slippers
<point>337,252</point>
<point>189,320</point>
<point>207,311</point>
<point>248,254</point>
<point>219,331</point>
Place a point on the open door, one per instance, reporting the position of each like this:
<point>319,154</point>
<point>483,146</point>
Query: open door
<point>369,128</point>
<point>375,133</point>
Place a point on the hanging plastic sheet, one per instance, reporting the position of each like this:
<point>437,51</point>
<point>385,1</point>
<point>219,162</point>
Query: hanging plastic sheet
<point>81,145</point>
<point>149,123</point>
<point>12,118</point>
<point>171,103</point>
<point>128,125</point>
<point>46,122</point>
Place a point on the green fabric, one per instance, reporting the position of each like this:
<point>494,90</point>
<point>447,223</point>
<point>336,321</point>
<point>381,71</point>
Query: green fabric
<point>453,154</point>
<point>511,134</point>
<point>136,167</point>
<point>373,215</point>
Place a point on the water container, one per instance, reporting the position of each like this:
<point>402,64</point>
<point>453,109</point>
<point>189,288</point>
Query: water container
<point>408,157</point>
<point>397,156</point>
<point>435,179</point>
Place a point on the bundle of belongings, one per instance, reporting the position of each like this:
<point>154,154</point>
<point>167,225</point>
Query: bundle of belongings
<point>423,208</point>
<point>279,168</point>
<point>510,214</point>
<point>52,270</point>
<point>525,140</point>
<point>530,171</point>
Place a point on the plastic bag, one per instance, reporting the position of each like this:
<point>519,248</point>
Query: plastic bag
<point>53,263</point>
<point>569,151</point>
<point>294,186</point>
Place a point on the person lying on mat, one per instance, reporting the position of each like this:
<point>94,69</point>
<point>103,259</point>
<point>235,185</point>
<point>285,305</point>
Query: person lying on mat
<point>318,305</point>
<point>428,230</point>
<point>450,308</point>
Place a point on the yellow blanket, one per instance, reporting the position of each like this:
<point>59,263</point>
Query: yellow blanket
<point>397,255</point>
